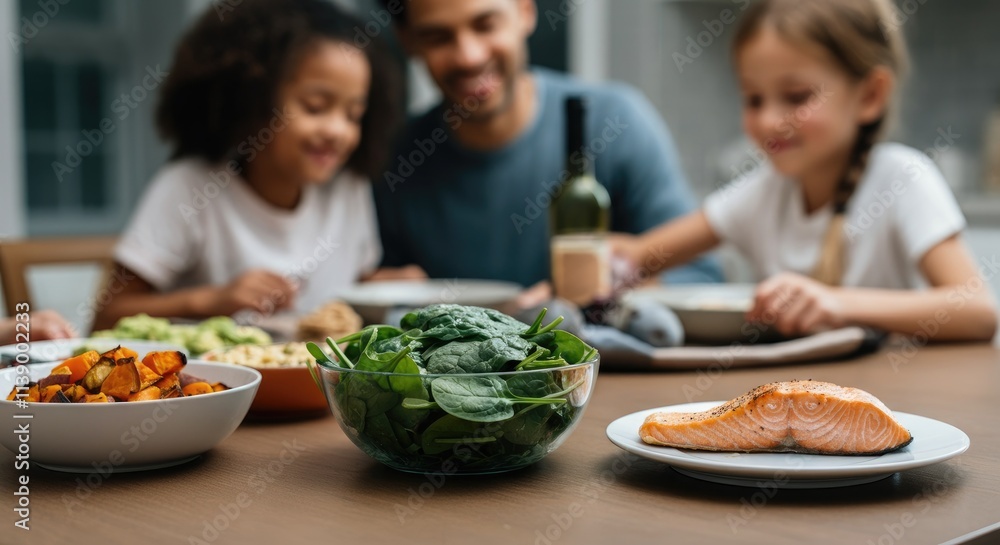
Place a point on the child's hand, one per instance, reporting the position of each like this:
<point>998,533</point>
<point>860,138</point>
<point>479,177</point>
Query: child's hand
<point>626,259</point>
<point>259,290</point>
<point>626,247</point>
<point>45,325</point>
<point>796,305</point>
<point>49,324</point>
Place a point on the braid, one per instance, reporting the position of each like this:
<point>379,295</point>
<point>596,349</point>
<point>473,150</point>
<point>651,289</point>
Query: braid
<point>867,136</point>
<point>830,266</point>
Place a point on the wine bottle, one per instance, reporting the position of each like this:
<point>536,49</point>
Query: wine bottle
<point>579,217</point>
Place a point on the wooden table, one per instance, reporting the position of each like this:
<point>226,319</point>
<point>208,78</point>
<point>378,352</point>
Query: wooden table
<point>299,481</point>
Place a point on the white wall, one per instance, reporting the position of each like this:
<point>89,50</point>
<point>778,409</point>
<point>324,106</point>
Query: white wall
<point>11,196</point>
<point>588,40</point>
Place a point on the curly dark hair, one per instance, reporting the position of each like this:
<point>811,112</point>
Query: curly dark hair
<point>227,69</point>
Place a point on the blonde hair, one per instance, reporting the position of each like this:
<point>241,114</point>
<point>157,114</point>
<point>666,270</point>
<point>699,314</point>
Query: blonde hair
<point>860,36</point>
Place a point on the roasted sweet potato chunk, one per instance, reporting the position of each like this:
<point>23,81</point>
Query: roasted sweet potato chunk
<point>198,388</point>
<point>48,392</point>
<point>96,398</point>
<point>60,397</point>
<point>62,377</point>
<point>78,366</point>
<point>122,382</point>
<point>164,363</point>
<point>147,377</point>
<point>168,382</point>
<point>31,386</point>
<point>120,353</point>
<point>172,392</point>
<point>97,374</point>
<point>75,392</point>
<point>146,394</point>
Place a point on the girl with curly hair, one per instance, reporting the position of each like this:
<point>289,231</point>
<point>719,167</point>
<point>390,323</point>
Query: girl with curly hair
<point>277,120</point>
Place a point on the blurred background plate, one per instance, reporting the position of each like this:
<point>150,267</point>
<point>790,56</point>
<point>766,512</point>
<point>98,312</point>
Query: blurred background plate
<point>710,313</point>
<point>373,299</point>
<point>61,349</point>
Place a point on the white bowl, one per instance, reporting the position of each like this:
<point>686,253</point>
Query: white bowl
<point>128,436</point>
<point>62,349</point>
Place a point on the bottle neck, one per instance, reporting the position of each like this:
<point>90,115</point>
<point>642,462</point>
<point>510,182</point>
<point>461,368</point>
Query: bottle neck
<point>578,165</point>
<point>577,161</point>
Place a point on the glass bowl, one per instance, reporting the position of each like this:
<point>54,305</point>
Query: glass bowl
<point>418,435</point>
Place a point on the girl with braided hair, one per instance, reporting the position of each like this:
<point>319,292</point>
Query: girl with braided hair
<point>844,229</point>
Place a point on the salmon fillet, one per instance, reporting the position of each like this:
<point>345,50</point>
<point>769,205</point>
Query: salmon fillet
<point>796,416</point>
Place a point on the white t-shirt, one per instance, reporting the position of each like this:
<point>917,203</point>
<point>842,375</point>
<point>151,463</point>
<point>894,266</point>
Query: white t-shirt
<point>901,209</point>
<point>199,225</point>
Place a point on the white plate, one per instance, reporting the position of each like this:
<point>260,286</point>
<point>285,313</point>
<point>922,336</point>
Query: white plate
<point>61,349</point>
<point>128,436</point>
<point>710,313</point>
<point>933,442</point>
<point>372,299</point>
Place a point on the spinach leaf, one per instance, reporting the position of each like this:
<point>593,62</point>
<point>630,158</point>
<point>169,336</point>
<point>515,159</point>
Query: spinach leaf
<point>480,399</point>
<point>485,356</point>
<point>536,326</point>
<point>450,322</point>
<point>401,341</point>
<point>417,404</point>
<point>323,359</point>
<point>532,384</point>
<point>380,431</point>
<point>406,381</point>
<point>563,345</point>
<point>377,400</point>
<point>358,342</point>
<point>544,364</point>
<point>527,427</point>
<point>410,419</point>
<point>371,359</point>
<point>352,409</point>
<point>447,432</point>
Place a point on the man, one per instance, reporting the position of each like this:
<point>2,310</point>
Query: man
<point>467,195</point>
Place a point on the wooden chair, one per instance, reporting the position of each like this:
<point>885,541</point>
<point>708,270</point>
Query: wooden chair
<point>17,256</point>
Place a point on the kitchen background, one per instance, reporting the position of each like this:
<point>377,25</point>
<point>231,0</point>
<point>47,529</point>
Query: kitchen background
<point>67,63</point>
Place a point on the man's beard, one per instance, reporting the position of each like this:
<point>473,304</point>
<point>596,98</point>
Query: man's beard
<point>507,102</point>
<point>508,84</point>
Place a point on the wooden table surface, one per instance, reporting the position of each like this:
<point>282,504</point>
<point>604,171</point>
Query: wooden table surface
<point>297,481</point>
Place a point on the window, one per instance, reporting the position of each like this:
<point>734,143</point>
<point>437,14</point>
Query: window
<point>71,68</point>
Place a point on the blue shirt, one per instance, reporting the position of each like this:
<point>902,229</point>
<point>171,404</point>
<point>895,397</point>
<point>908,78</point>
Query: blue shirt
<point>462,213</point>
